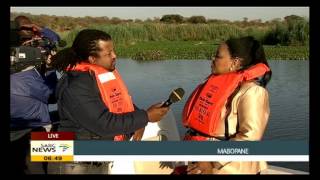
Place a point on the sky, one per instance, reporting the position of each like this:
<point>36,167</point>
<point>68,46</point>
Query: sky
<point>227,13</point>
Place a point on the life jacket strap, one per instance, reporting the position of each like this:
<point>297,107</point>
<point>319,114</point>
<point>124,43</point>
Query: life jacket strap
<point>193,135</point>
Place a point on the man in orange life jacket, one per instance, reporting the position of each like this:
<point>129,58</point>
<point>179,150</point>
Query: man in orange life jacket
<point>232,104</point>
<point>93,100</point>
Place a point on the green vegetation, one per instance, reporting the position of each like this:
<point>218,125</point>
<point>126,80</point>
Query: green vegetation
<point>199,50</point>
<point>167,50</point>
<point>133,32</point>
<point>172,18</point>
<point>150,41</point>
<point>197,19</point>
<point>295,31</point>
<point>195,37</point>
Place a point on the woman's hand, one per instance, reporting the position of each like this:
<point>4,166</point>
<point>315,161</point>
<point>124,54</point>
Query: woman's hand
<point>200,168</point>
<point>137,136</point>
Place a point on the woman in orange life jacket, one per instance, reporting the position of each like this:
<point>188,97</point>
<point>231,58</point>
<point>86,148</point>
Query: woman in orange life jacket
<point>232,104</point>
<point>93,100</point>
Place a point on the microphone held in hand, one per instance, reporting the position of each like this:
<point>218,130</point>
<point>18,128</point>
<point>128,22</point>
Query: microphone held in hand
<point>175,96</point>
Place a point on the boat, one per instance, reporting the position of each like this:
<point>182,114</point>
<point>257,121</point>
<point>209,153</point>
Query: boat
<point>281,170</point>
<point>166,130</point>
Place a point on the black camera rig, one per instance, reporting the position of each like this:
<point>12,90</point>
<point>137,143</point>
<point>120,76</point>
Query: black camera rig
<point>33,51</point>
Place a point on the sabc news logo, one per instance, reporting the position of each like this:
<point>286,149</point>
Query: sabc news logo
<point>51,148</point>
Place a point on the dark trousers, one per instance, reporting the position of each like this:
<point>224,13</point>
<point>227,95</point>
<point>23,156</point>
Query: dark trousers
<point>21,160</point>
<point>78,168</point>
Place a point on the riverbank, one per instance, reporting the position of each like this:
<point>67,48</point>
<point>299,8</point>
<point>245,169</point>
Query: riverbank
<point>161,50</point>
<point>142,49</point>
<point>162,41</point>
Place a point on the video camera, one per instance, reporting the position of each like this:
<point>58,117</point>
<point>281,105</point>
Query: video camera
<point>28,50</point>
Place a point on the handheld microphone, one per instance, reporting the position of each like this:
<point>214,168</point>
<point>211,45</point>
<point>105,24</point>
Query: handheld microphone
<point>175,96</point>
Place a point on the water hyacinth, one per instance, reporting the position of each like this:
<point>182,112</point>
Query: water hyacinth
<point>156,41</point>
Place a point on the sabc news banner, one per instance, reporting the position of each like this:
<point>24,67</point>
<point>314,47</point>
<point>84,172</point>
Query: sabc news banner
<point>62,147</point>
<point>55,146</point>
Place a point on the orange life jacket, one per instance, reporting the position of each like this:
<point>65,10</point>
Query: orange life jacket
<point>112,89</point>
<point>202,111</point>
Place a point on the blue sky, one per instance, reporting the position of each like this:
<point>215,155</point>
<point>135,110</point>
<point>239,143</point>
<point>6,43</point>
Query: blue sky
<point>228,13</point>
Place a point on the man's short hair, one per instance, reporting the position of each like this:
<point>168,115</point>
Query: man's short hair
<point>21,20</point>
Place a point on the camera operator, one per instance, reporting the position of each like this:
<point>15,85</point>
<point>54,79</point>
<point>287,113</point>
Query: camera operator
<point>28,28</point>
<point>32,85</point>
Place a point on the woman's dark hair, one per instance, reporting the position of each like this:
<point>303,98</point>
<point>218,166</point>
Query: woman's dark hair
<point>84,45</point>
<point>251,52</point>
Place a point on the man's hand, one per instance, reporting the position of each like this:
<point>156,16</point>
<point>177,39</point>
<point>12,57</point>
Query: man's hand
<point>156,112</point>
<point>34,27</point>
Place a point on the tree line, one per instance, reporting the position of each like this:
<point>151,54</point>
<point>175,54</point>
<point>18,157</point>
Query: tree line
<point>292,30</point>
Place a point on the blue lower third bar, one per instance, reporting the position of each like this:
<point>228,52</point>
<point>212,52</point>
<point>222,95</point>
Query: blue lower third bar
<point>236,148</point>
<point>184,158</point>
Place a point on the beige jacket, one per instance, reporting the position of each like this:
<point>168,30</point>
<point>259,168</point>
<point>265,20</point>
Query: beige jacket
<point>249,108</point>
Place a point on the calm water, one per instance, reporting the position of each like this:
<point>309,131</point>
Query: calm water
<point>150,82</point>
